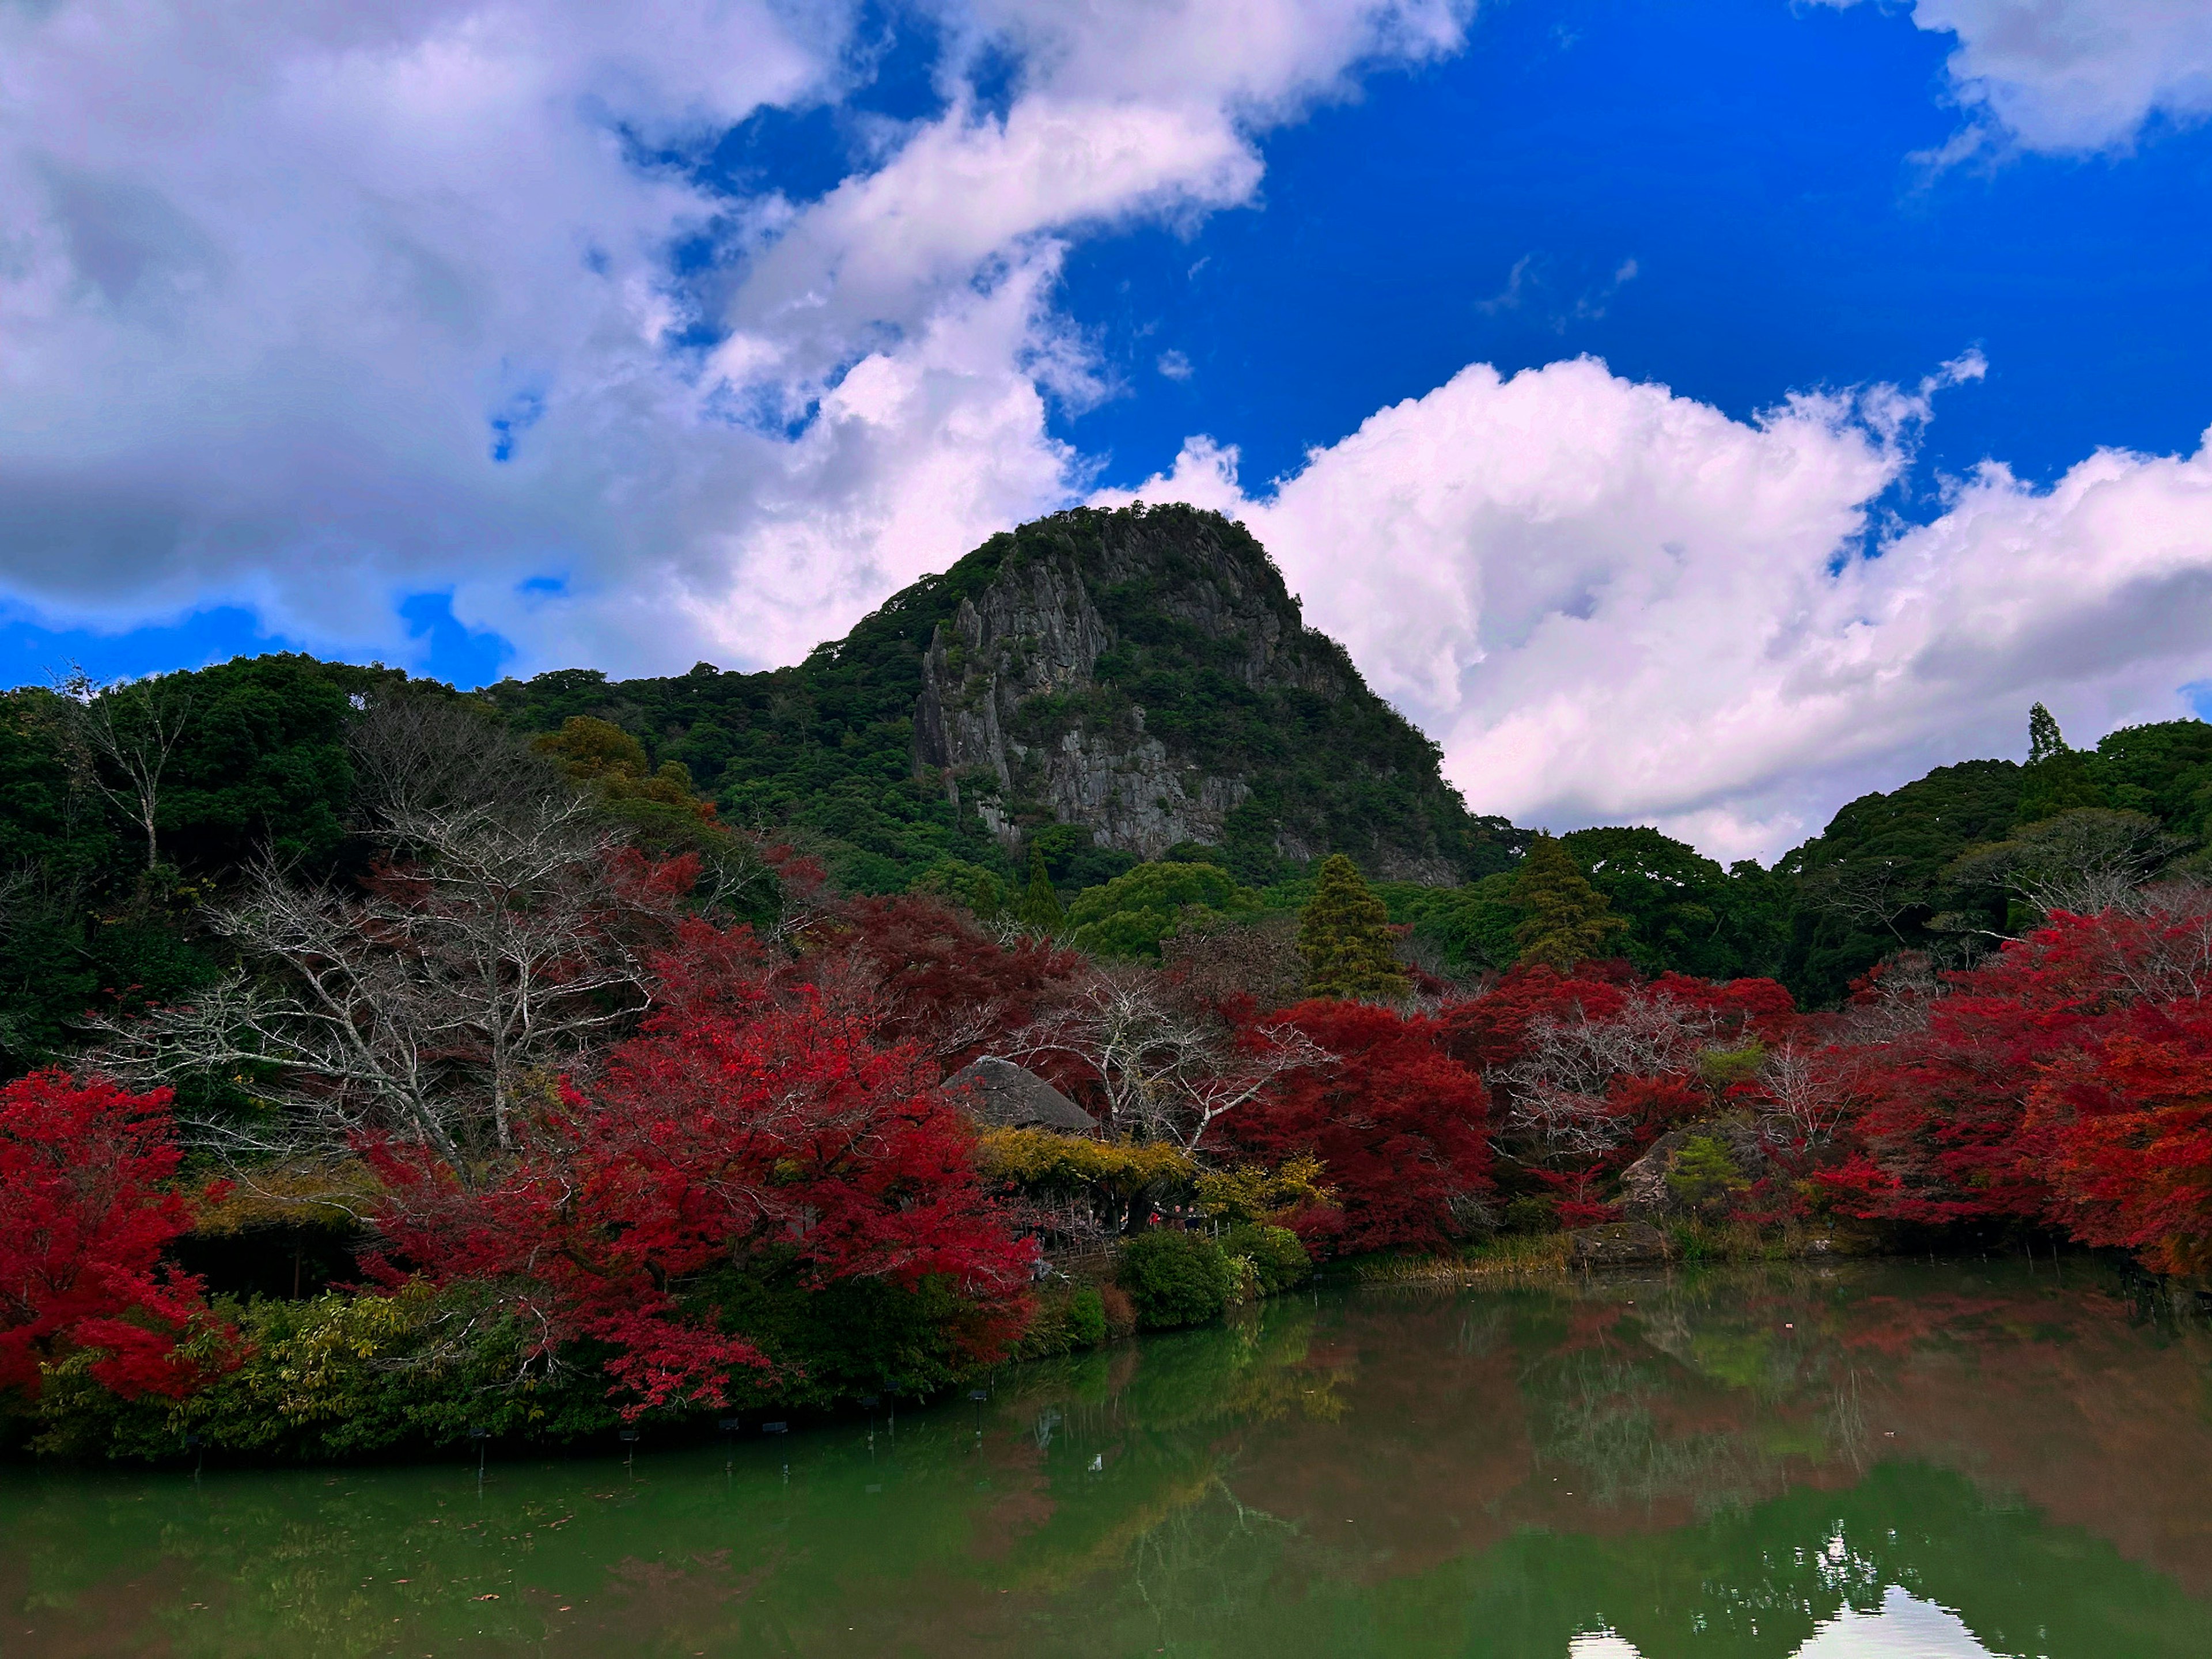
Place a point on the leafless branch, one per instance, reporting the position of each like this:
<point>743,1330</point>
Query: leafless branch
<point>1165,1072</point>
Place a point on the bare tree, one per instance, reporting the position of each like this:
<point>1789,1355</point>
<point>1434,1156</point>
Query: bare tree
<point>120,739</point>
<point>2161,945</point>
<point>1558,1108</point>
<point>1906,988</point>
<point>1165,1072</point>
<point>2084,862</point>
<point>1804,1094</point>
<point>415,751</point>
<point>1877,892</point>
<point>1215,959</point>
<point>428,1008</point>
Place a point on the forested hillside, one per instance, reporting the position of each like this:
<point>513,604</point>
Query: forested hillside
<point>384,1063</point>
<point>125,813</point>
<point>1099,685</point>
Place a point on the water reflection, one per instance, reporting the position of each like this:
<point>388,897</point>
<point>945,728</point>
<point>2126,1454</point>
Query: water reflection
<point>1865,1459</point>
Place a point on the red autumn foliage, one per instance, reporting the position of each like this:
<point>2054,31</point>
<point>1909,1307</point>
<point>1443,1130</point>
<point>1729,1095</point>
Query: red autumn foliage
<point>2126,1133</point>
<point>1943,1136</point>
<point>930,976</point>
<point>1491,1031</point>
<point>1398,1124</point>
<point>85,1214</point>
<point>745,1121</point>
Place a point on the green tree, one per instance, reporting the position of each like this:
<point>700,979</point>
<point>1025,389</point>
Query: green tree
<point>1685,912</point>
<point>1871,882</point>
<point>1130,915</point>
<point>1040,907</point>
<point>2056,778</point>
<point>2044,739</point>
<point>1564,918</point>
<point>1345,937</point>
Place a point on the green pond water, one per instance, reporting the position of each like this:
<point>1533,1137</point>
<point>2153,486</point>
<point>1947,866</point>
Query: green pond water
<point>1908,1461</point>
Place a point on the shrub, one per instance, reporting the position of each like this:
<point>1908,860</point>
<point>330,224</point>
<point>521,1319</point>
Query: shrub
<point>1068,1319</point>
<point>338,1375</point>
<point>1276,1252</point>
<point>1532,1212</point>
<point>1086,1318</point>
<point>1174,1277</point>
<point>1120,1312</point>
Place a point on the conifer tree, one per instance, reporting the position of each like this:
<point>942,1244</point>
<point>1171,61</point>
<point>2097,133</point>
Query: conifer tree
<point>2056,778</point>
<point>2044,737</point>
<point>1040,907</point>
<point>1345,937</point>
<point>1564,918</point>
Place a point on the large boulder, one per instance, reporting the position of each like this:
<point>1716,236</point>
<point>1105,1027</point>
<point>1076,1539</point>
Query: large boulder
<point>1617,1244</point>
<point>1000,1095</point>
<point>1645,1187</point>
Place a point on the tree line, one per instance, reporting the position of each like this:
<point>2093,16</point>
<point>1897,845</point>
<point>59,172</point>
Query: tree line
<point>590,1106</point>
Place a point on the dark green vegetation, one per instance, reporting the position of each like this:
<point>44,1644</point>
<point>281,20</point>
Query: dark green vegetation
<point>123,815</point>
<point>1882,876</point>
<point>1172,609</point>
<point>1716,1463</point>
<point>1174,1277</point>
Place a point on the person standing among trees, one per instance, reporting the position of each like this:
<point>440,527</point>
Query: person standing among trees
<point>1345,938</point>
<point>1564,918</point>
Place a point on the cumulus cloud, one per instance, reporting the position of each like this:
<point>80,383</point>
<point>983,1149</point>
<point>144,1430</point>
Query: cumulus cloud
<point>2072,75</point>
<point>1611,604</point>
<point>307,305</point>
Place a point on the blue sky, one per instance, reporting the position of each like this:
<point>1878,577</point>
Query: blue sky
<point>1690,415</point>
<point>1753,161</point>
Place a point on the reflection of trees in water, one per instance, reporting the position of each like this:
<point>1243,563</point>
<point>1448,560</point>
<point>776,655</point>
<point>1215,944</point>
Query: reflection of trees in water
<point>1256,1369</point>
<point>1601,1422</point>
<point>1209,1567</point>
<point>1110,1503</point>
<point>1484,1328</point>
<point>1635,1413</point>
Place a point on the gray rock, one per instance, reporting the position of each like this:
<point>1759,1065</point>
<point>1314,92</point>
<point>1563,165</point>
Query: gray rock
<point>1617,1244</point>
<point>1643,1187</point>
<point>1005,1095</point>
<point>1038,631</point>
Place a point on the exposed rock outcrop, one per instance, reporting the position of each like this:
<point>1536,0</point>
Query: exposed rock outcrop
<point>1034,701</point>
<point>1647,1187</point>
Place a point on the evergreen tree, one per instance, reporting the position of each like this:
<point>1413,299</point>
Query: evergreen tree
<point>1345,937</point>
<point>2056,778</point>
<point>1040,907</point>
<point>1564,918</point>
<point>2044,737</point>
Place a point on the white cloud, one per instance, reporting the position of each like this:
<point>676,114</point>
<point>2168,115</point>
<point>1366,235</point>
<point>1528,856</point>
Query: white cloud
<point>1174,366</point>
<point>2073,75</point>
<point>1612,604</point>
<point>269,276</point>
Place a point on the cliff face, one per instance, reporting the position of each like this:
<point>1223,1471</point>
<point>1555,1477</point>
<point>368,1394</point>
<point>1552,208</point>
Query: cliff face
<point>1146,675</point>
<point>1139,675</point>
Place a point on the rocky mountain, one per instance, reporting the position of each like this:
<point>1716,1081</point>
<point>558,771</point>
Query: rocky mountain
<point>1106,685</point>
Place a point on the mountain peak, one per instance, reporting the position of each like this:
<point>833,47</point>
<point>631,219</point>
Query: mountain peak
<point>1115,680</point>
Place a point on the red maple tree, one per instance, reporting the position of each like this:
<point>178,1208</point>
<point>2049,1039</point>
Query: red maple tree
<point>1398,1124</point>
<point>2125,1133</point>
<point>746,1120</point>
<point>86,1210</point>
